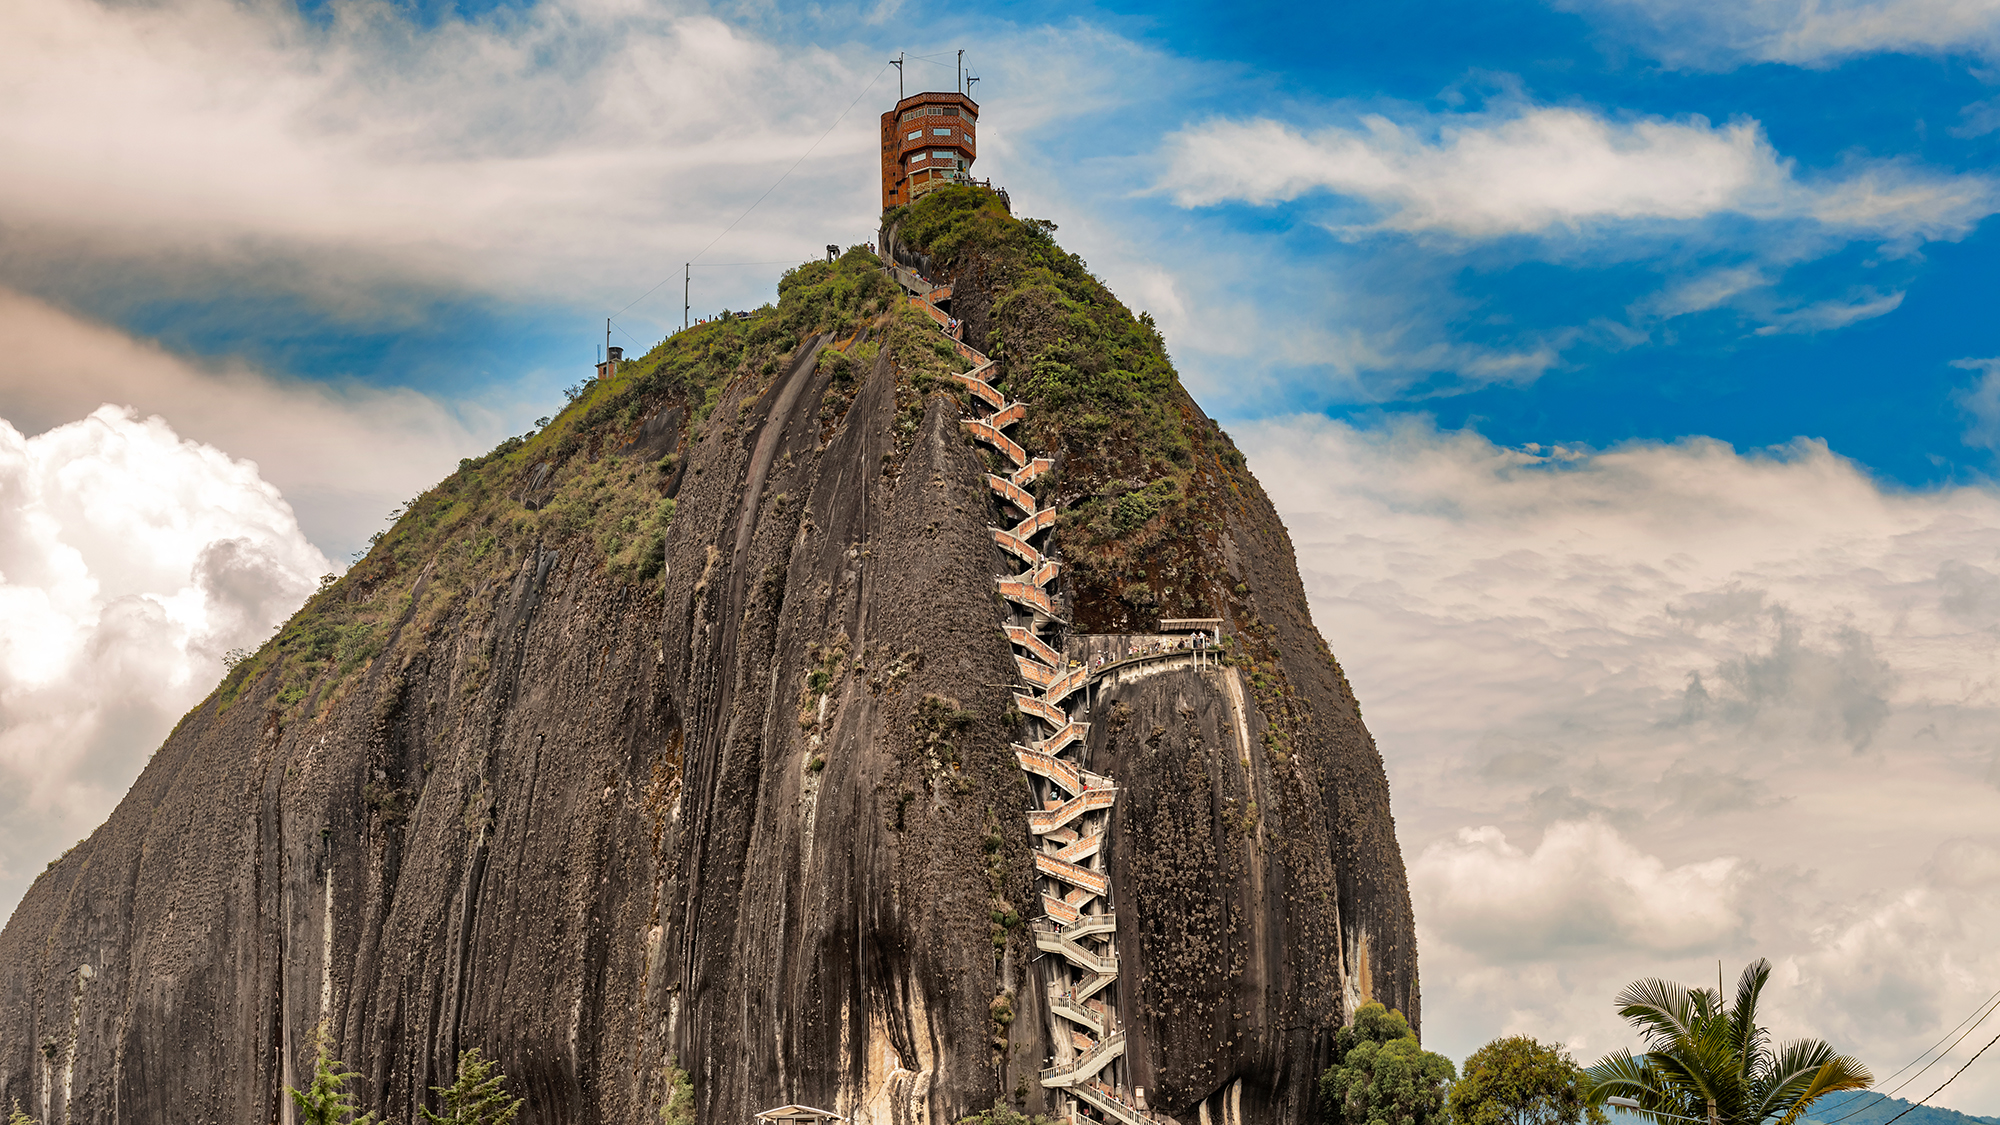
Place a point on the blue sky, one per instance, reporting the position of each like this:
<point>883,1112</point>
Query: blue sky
<point>1553,292</point>
<point>1625,370</point>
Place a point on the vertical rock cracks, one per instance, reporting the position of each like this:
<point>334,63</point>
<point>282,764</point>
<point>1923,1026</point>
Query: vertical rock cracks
<point>761,791</point>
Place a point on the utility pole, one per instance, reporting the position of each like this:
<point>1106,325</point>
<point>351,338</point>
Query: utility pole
<point>687,271</point>
<point>607,342</point>
<point>961,70</point>
<point>897,62</point>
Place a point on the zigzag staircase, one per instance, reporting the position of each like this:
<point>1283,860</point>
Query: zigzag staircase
<point>1073,810</point>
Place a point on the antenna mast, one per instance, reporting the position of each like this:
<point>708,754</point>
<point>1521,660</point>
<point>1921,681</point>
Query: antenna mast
<point>687,271</point>
<point>961,70</point>
<point>897,62</point>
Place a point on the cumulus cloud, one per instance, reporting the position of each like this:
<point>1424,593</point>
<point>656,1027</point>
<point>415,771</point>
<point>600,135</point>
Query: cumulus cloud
<point>131,561</point>
<point>1525,169</point>
<point>343,455</point>
<point>1583,886</point>
<point>1801,32</point>
<point>1648,706</point>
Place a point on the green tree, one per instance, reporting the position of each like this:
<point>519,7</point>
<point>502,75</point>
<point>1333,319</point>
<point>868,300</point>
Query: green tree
<point>16,1117</point>
<point>1001,1114</point>
<point>1517,1081</point>
<point>1710,1061</point>
<point>1382,1076</point>
<point>476,1097</point>
<point>679,1109</point>
<point>325,1100</point>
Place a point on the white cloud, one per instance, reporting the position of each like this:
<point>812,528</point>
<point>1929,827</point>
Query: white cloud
<point>131,560</point>
<point>1649,706</point>
<point>1533,169</point>
<point>1981,401</point>
<point>1808,33</point>
<point>1582,886</point>
<point>1822,315</point>
<point>572,147</point>
<point>1978,119</point>
<point>344,455</point>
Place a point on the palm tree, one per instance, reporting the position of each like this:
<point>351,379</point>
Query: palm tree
<point>1710,1062</point>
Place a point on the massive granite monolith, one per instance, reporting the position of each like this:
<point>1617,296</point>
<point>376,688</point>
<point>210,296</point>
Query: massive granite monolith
<point>678,737</point>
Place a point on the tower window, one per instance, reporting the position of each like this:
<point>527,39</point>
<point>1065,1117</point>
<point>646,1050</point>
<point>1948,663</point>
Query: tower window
<point>915,135</point>
<point>940,132</point>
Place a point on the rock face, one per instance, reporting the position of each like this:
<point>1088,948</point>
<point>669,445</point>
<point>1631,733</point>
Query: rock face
<point>754,814</point>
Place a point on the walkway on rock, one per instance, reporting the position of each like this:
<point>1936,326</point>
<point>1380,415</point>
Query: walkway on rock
<point>1073,811</point>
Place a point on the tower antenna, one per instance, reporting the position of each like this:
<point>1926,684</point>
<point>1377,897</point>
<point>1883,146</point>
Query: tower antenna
<point>897,62</point>
<point>961,70</point>
<point>969,80</point>
<point>687,271</point>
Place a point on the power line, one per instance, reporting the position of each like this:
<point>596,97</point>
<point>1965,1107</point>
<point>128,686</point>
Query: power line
<point>795,163</point>
<point>1947,1035</point>
<point>629,336</point>
<point>1947,1082</point>
<point>774,186</point>
<point>1985,1009</point>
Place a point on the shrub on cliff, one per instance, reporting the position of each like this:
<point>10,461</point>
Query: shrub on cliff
<point>1518,1081</point>
<point>1000,1114</point>
<point>1383,1076</point>
<point>325,1100</point>
<point>476,1097</point>
<point>1102,390</point>
<point>679,1109</point>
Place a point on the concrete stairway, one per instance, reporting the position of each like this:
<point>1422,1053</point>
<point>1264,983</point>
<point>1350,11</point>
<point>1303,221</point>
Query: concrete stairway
<point>1070,826</point>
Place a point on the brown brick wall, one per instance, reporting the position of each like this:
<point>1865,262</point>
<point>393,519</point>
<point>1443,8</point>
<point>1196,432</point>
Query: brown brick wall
<point>896,150</point>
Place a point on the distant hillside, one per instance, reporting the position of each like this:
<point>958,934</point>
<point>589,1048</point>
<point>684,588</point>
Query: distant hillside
<point>1880,1109</point>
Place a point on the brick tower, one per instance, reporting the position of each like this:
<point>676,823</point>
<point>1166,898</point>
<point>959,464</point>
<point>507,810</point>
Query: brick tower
<point>927,140</point>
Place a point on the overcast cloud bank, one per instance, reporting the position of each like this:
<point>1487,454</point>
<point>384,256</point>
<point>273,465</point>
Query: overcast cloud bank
<point>1649,706</point>
<point>344,455</point>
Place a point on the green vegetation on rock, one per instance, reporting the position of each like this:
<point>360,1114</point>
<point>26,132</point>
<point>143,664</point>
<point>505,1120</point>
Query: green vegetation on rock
<point>325,1100</point>
<point>1102,391</point>
<point>1382,1076</point>
<point>564,487</point>
<point>1000,1114</point>
<point>679,1109</point>
<point>476,1097</point>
